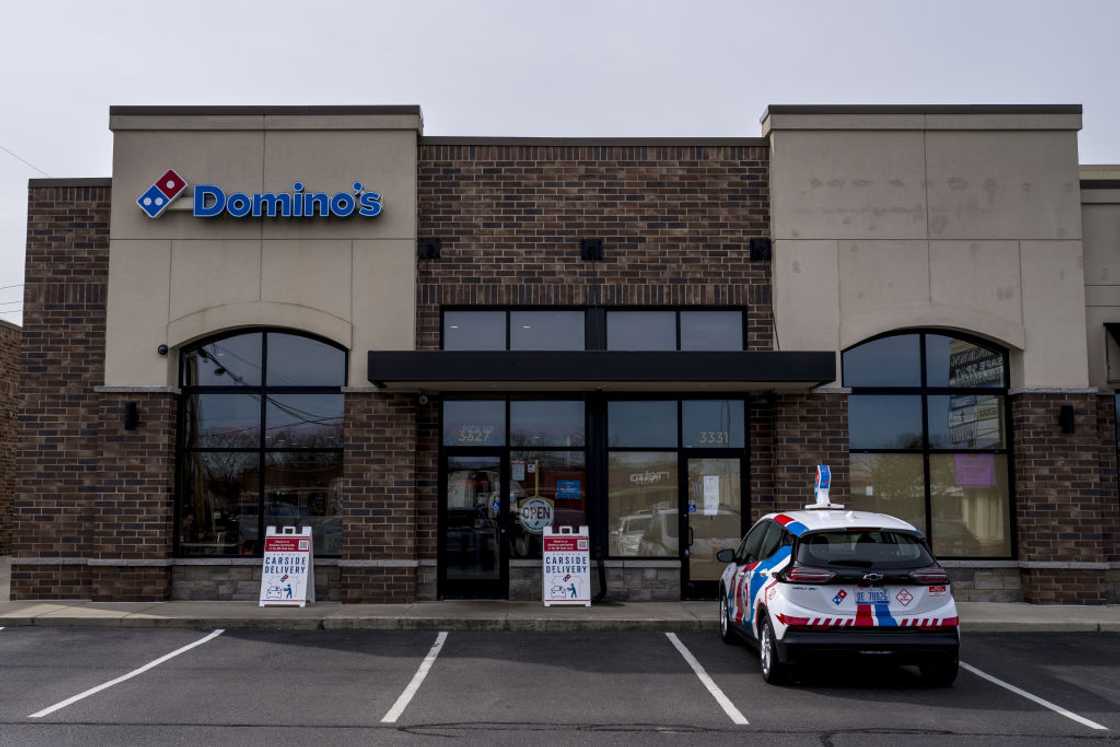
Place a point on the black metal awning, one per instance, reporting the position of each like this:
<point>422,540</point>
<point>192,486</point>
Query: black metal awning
<point>583,370</point>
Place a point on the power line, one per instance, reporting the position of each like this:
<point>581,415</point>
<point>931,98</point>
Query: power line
<point>23,160</point>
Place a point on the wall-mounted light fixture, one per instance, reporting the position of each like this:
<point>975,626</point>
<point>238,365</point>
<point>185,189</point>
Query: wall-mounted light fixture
<point>428,248</point>
<point>131,415</point>
<point>1065,418</point>
<point>591,250</point>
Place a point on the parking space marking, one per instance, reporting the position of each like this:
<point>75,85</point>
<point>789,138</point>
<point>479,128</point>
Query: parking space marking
<point>406,696</point>
<point>125,677</point>
<point>1034,698</point>
<point>724,702</point>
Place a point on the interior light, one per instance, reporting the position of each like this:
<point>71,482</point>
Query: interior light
<point>454,326</point>
<point>526,326</point>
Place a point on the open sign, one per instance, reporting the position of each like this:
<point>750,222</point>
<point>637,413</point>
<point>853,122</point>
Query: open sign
<point>535,514</point>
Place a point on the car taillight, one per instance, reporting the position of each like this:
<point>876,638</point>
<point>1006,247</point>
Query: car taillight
<point>930,576</point>
<point>800,574</point>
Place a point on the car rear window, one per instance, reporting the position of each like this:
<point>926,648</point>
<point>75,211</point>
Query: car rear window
<point>863,548</point>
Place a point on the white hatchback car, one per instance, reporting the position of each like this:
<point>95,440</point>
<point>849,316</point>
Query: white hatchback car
<point>826,581</point>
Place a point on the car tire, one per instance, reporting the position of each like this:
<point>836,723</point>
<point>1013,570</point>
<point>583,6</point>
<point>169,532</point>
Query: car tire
<point>726,632</point>
<point>773,670</point>
<point>941,672</point>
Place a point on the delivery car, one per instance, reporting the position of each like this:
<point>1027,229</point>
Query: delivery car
<point>825,582</point>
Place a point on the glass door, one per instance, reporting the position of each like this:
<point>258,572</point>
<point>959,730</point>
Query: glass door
<point>713,520</point>
<point>473,546</point>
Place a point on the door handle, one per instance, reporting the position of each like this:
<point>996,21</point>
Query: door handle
<point>691,537</point>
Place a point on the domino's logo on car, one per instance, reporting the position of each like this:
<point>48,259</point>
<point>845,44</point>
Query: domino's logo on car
<point>161,193</point>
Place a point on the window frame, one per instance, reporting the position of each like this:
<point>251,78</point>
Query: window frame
<point>924,392</point>
<point>263,391</point>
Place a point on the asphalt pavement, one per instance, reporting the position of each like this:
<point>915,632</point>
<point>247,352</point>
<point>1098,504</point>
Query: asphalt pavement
<point>89,685</point>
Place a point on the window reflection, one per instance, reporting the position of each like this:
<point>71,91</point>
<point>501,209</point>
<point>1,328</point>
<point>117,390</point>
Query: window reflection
<point>474,423</point>
<point>889,483</point>
<point>970,504</point>
<point>958,363</point>
<point>547,488</point>
<point>641,330</point>
<point>474,330</point>
<point>557,423</point>
<point>888,361</point>
<point>643,520</point>
<point>884,421</point>
<point>546,330</point>
<point>711,330</point>
<point>224,496</point>
<point>642,423</point>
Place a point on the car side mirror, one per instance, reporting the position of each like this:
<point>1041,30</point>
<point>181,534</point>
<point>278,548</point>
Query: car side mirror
<point>725,556</point>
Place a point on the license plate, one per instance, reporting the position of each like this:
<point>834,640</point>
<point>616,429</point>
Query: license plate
<point>873,596</point>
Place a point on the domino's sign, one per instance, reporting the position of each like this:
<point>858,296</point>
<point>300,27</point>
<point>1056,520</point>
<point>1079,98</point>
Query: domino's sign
<point>211,201</point>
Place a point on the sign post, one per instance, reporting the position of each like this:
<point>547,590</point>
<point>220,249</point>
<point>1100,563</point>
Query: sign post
<point>288,574</point>
<point>567,567</point>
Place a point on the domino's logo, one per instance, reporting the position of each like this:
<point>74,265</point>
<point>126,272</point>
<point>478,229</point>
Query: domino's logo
<point>161,194</point>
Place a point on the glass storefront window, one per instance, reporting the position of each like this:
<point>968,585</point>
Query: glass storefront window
<point>223,421</point>
<point>935,452</point>
<point>889,483</point>
<point>474,423</point>
<point>711,330</point>
<point>643,516</point>
<point>303,421</point>
<point>546,423</point>
<point>303,361</point>
<point>546,330</point>
<point>230,361</point>
<point>886,421</point>
<point>966,421</point>
<point>225,498</point>
<point>969,497</point>
<point>218,503</point>
<point>641,330</point>
<point>547,488</point>
<point>888,361</point>
<point>644,424</point>
<point>714,424</point>
<point>957,363</point>
<point>303,489</point>
<point>474,330</point>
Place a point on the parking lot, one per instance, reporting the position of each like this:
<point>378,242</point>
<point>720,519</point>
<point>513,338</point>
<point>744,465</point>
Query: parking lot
<point>174,686</point>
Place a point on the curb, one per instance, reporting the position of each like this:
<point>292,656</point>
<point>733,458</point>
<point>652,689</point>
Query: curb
<point>484,625</point>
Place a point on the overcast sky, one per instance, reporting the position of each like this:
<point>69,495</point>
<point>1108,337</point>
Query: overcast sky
<point>524,68</point>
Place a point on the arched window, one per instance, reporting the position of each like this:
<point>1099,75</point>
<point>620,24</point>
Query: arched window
<point>928,438</point>
<point>260,441</point>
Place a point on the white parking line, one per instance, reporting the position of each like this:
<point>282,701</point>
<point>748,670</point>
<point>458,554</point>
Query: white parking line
<point>106,685</point>
<point>724,702</point>
<point>1034,698</point>
<point>417,680</point>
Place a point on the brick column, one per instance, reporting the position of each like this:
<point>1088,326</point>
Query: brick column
<point>55,504</point>
<point>134,498</point>
<point>379,551</point>
<point>808,429</point>
<point>1062,506</point>
<point>10,342</point>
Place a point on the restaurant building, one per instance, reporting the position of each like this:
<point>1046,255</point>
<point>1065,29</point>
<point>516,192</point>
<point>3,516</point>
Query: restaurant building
<point>430,348</point>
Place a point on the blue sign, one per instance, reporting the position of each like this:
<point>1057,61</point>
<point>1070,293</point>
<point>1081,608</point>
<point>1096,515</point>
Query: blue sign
<point>211,201</point>
<point>567,490</point>
<point>824,477</point>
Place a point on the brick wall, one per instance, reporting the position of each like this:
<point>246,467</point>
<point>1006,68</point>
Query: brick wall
<point>379,497</point>
<point>675,222</point>
<point>10,346</point>
<point>86,487</point>
<point>807,429</point>
<point>1063,501</point>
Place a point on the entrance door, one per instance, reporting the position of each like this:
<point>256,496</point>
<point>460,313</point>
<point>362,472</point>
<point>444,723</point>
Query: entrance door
<point>713,521</point>
<point>473,543</point>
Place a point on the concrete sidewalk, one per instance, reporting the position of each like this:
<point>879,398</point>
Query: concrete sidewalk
<point>976,617</point>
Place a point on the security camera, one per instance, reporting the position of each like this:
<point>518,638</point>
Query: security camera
<point>162,349</point>
<point>424,399</point>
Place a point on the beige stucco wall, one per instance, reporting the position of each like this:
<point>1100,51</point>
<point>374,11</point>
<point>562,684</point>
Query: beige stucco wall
<point>177,278</point>
<point>1100,215</point>
<point>969,222</point>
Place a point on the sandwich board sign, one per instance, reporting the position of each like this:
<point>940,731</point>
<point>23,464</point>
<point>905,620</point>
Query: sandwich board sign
<point>567,567</point>
<point>288,575</point>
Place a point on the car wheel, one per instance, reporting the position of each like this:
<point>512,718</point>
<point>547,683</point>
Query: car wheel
<point>773,670</point>
<point>941,672</point>
<point>726,632</point>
